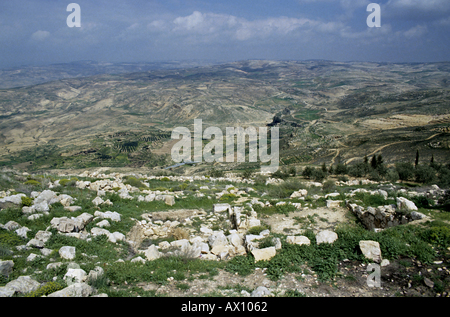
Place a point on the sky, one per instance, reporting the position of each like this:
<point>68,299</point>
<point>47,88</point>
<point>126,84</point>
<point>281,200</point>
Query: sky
<point>36,32</point>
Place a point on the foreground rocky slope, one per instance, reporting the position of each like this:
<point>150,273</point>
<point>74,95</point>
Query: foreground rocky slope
<point>79,234</point>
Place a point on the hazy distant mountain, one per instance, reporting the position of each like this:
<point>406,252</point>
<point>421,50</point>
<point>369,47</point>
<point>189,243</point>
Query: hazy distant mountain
<point>32,75</point>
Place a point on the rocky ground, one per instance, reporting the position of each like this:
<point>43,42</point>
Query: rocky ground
<point>56,228</point>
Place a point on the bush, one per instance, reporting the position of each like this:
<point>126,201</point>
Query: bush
<point>133,181</point>
<point>216,173</point>
<point>318,175</point>
<point>341,169</point>
<point>308,172</point>
<point>329,186</point>
<point>425,174</point>
<point>26,201</point>
<point>48,288</point>
<point>405,171</point>
<point>247,174</point>
<point>392,175</point>
<point>422,202</point>
<point>32,182</point>
<point>358,170</point>
<point>280,174</point>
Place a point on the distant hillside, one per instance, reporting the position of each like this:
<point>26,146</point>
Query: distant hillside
<point>33,75</point>
<point>328,112</point>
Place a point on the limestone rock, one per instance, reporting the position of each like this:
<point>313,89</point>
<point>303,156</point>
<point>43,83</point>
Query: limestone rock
<point>300,240</point>
<point>114,216</point>
<point>261,291</point>
<point>11,225</point>
<point>99,231</point>
<point>22,232</point>
<point>169,200</point>
<point>74,290</point>
<point>103,223</point>
<point>217,238</point>
<point>6,267</point>
<point>14,199</point>
<point>264,254</point>
<point>333,203</point>
<point>152,253</point>
<point>116,236</point>
<point>326,236</point>
<point>97,201</point>
<point>43,236</point>
<point>67,252</point>
<point>405,204</point>
<point>72,208</point>
<point>299,193</point>
<point>47,196</point>
<point>41,206</point>
<point>235,239</point>
<point>35,243</point>
<point>6,292</point>
<point>371,250</point>
<point>95,273</point>
<point>75,276</point>
<point>23,285</point>
<point>221,207</point>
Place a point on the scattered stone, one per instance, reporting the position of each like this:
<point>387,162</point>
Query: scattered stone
<point>35,243</point>
<point>22,232</point>
<point>371,250</point>
<point>103,223</point>
<point>74,290</point>
<point>98,201</point>
<point>11,225</point>
<point>300,240</point>
<point>75,276</point>
<point>43,236</point>
<point>261,291</point>
<point>99,231</point>
<point>217,238</point>
<point>334,203</point>
<point>385,262</point>
<point>6,267</point>
<point>221,207</point>
<point>326,236</point>
<point>169,200</point>
<point>67,252</point>
<point>405,204</point>
<point>23,285</point>
<point>264,254</point>
<point>428,282</point>
<point>6,292</point>
<point>114,216</point>
<point>72,208</point>
<point>152,253</point>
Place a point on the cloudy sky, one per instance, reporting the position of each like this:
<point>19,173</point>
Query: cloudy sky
<point>35,32</point>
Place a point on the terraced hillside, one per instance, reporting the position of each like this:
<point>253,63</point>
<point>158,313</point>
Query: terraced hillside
<point>328,112</point>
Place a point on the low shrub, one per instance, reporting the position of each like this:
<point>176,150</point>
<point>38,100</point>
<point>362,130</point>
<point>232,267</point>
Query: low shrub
<point>26,201</point>
<point>133,181</point>
<point>32,182</point>
<point>48,288</point>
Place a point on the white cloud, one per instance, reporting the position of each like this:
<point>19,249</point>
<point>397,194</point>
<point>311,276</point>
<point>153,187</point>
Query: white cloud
<point>421,5</point>
<point>232,27</point>
<point>416,31</point>
<point>40,35</point>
